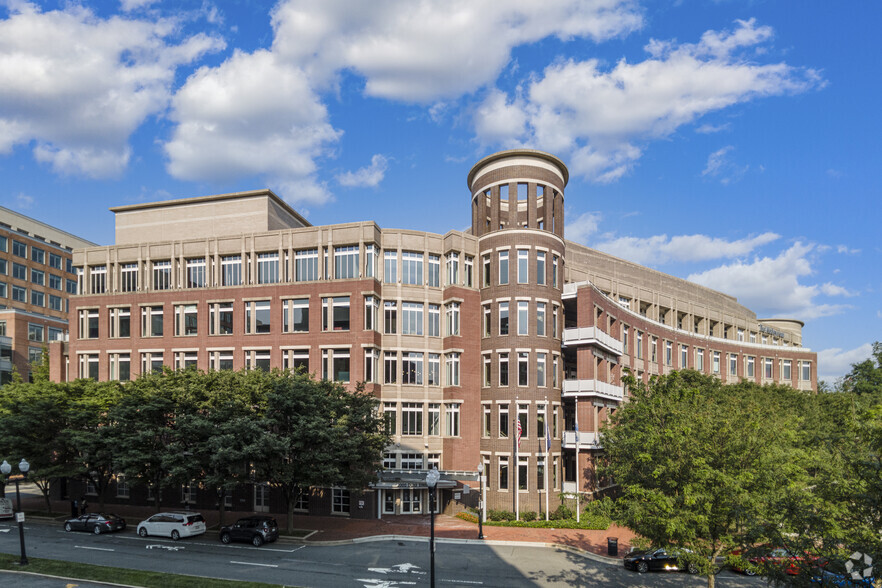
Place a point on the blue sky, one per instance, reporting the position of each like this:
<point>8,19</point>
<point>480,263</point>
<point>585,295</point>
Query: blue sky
<point>732,143</point>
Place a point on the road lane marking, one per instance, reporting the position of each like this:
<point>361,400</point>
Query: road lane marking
<point>94,548</point>
<point>463,582</point>
<point>248,563</point>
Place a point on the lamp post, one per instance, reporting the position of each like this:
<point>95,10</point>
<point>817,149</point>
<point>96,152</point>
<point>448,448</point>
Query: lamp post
<point>481,501</point>
<point>23,467</point>
<point>431,481</point>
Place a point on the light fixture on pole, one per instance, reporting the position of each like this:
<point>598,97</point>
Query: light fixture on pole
<point>23,467</point>
<point>481,501</point>
<point>431,481</point>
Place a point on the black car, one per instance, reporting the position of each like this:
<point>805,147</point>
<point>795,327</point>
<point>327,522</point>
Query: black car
<point>657,559</point>
<point>96,523</point>
<point>256,530</point>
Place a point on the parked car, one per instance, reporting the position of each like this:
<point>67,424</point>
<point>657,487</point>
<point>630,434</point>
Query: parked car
<point>779,556</point>
<point>657,559</point>
<point>173,524</point>
<point>97,523</point>
<point>839,580</point>
<point>256,530</point>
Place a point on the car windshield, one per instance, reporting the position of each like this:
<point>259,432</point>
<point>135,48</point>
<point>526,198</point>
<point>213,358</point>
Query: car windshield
<point>198,518</point>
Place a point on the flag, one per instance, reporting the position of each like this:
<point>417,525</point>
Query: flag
<point>577,422</point>
<point>547,439</point>
<point>519,433</point>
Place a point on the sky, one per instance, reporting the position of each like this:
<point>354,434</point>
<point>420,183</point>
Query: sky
<point>733,143</point>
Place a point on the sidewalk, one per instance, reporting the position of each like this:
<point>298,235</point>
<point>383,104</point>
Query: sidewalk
<point>344,529</point>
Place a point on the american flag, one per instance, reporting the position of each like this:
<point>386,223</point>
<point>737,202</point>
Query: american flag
<point>519,433</point>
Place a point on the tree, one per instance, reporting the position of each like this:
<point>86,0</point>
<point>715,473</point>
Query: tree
<point>33,421</point>
<point>317,434</point>
<point>699,463</point>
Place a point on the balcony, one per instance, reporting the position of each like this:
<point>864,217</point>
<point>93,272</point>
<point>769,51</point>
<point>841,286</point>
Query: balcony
<point>592,336</point>
<point>587,440</point>
<point>572,388</point>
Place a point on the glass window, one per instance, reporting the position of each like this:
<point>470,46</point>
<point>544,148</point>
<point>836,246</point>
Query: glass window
<point>412,368</point>
<point>390,317</point>
<point>412,421</point>
<point>540,319</point>
<point>151,321</point>
<point>451,421</point>
<point>540,268</point>
<point>434,320</point>
<point>503,369</point>
<point>487,421</point>
<point>452,361</point>
<point>335,313</point>
<point>503,318</point>
<point>120,322</point>
<point>554,264</point>
<point>503,267</point>
<point>258,316</point>
<point>196,273</point>
<point>55,302</point>
<point>185,359</point>
<point>220,318</point>
<point>371,309</point>
<point>335,364</point>
<point>390,414</point>
<point>523,266</point>
<point>411,268</point>
<point>151,362</point>
<point>503,420</point>
<point>89,366</point>
<point>186,320</point>
<point>54,260</point>
<point>434,371</point>
<point>453,268</point>
<point>785,370</point>
<point>35,332</point>
<point>268,268</point>
<point>485,263</point>
<point>220,360</point>
<point>503,473</point>
<point>371,359</point>
<point>38,277</point>
<point>19,271</point>
<point>306,265</point>
<point>89,323</point>
<point>346,262</point>
<point>295,315</point>
<point>733,364</point>
<point>20,249</point>
<point>751,366</point>
<point>340,503</point>
<point>20,294</point>
<point>370,260</point>
<point>55,282</point>
<point>540,369</point>
<point>161,275</point>
<point>38,255</point>
<point>434,419</point>
<point>38,298</point>
<point>523,317</point>
<point>411,318</point>
<point>453,319</point>
<point>390,267</point>
<point>487,371</point>
<point>806,371</point>
<point>469,271</point>
<point>523,368</point>
<point>434,271</point>
<point>121,367</point>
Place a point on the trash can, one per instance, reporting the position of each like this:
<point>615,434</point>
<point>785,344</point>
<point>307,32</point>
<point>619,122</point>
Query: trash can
<point>612,546</point>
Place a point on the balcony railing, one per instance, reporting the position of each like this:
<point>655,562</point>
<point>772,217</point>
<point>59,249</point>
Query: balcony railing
<point>587,440</point>
<point>592,336</point>
<point>593,388</point>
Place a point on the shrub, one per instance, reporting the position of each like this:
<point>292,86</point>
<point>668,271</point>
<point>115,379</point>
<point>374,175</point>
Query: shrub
<point>562,512</point>
<point>528,516</point>
<point>500,515</point>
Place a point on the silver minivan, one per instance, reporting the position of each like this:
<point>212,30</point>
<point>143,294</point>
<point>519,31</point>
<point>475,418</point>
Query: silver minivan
<point>173,524</point>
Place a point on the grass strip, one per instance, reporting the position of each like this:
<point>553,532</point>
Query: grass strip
<point>80,571</point>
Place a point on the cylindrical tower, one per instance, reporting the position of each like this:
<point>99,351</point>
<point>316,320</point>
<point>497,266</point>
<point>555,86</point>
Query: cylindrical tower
<point>517,213</point>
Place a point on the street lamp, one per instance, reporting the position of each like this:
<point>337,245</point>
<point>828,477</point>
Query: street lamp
<point>431,481</point>
<point>481,501</point>
<point>23,467</point>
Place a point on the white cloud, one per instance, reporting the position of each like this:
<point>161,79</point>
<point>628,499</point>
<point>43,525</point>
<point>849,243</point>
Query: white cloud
<point>434,49</point>
<point>829,289</point>
<point>660,249</point>
<point>251,116</point>
<point>130,5</point>
<point>582,227</point>
<point>771,285</point>
<point>23,201</point>
<point>602,118</point>
<point>369,176</point>
<point>835,362</point>
<point>720,165</point>
<point>847,250</point>
<point>77,86</point>
<point>707,129</point>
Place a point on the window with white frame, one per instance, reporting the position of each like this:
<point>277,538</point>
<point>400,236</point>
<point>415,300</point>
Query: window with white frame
<point>306,265</point>
<point>371,360</point>
<point>55,282</point>
<point>162,275</point>
<point>487,320</point>
<point>88,323</point>
<point>451,420</point>
<point>56,302</point>
<point>97,279</point>
<point>523,368</point>
<point>340,501</point>
<point>370,261</point>
<point>335,364</point>
<point>20,249</point>
<point>555,370</point>
<point>19,271</point>
<point>258,359</point>
<point>295,359</point>
<point>38,298</point>
<point>453,319</point>
<point>653,350</point>
<point>767,367</point>
<point>122,486</point>
<point>487,363</point>
<point>523,266</point>
<point>390,267</point>
<point>540,268</point>
<point>196,273</point>
<point>699,359</point>
<point>524,420</point>
<point>151,321</point>
<point>411,268</point>
<point>453,268</point>
<point>38,254</point>
<point>38,277</point>
<point>503,267</point>
<point>554,264</point>
<point>434,271</point>
<point>503,472</point>
<point>434,423</point>
<point>151,362</point>
<point>733,364</point>
<point>485,272</point>
<point>295,315</point>
<point>390,417</point>
<point>89,365</point>
<point>786,374</point>
<point>121,367</point>
<point>258,317</point>
<point>503,369</point>
<point>684,354</point>
<point>220,360</point>
<point>751,366</point>
<point>523,472</point>
<point>412,419</point>
<point>805,371</point>
<point>503,421</point>
<point>19,294</point>
<point>412,368</point>
<point>220,318</point>
<point>523,317</point>
<point>434,320</point>
<point>541,360</point>
<point>35,332</point>
<point>185,359</point>
<point>554,322</point>
<point>371,310</point>
<point>434,372</point>
<point>128,277</point>
<point>503,318</point>
<point>639,344</point>
<point>335,313</point>
<point>186,320</point>
<point>268,268</point>
<point>411,461</point>
<point>390,317</point>
<point>669,353</point>
<point>715,366</point>
<point>390,460</point>
<point>452,363</point>
<point>390,367</point>
<point>469,271</point>
<point>411,318</point>
<point>346,262</point>
<point>540,319</point>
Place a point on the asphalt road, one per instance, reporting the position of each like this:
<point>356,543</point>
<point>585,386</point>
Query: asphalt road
<point>376,564</point>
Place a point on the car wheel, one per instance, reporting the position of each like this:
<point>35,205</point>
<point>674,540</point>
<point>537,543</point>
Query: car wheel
<point>142,531</point>
<point>257,541</point>
<point>175,535</point>
<point>225,537</point>
<point>642,567</point>
<point>67,527</point>
<point>96,529</point>
<point>692,568</point>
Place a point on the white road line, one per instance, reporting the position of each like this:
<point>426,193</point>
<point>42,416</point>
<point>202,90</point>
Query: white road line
<point>94,548</point>
<point>462,582</point>
<point>248,563</point>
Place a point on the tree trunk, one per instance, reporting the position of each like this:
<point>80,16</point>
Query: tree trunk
<point>711,580</point>
<point>221,494</point>
<point>290,501</point>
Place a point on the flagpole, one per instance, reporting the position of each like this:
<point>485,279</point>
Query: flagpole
<point>517,467</point>
<point>578,510</point>
<point>547,443</point>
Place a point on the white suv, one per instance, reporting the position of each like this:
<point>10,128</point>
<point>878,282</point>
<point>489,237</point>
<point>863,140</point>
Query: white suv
<point>173,524</point>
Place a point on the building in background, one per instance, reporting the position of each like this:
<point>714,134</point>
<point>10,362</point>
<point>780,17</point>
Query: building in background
<point>504,345</point>
<point>36,278</point>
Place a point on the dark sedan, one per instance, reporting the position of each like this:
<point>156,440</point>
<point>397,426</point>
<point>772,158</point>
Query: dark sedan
<point>96,523</point>
<point>256,530</point>
<point>657,559</point>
